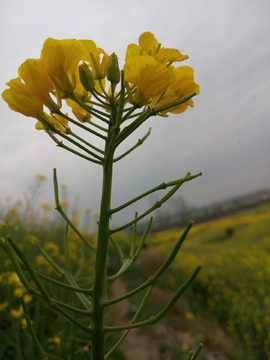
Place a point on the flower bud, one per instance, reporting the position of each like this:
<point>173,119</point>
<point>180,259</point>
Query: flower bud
<point>86,77</point>
<point>113,73</point>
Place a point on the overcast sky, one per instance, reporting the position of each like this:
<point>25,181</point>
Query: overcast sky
<point>226,134</point>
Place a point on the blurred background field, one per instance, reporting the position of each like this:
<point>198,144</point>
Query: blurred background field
<point>29,221</point>
<point>234,284</point>
<point>231,295</point>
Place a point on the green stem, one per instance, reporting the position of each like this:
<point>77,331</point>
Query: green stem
<point>79,124</point>
<point>63,285</point>
<point>153,319</point>
<point>135,317</point>
<point>197,352</point>
<point>156,205</point>
<point>88,108</point>
<point>31,330</point>
<point>162,186</point>
<point>61,212</point>
<point>121,101</point>
<point>60,144</point>
<point>133,126</point>
<point>100,272</point>
<point>85,142</point>
<point>76,143</point>
<point>140,142</point>
<point>101,103</point>
<point>172,105</point>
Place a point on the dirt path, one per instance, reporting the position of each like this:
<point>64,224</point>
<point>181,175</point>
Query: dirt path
<point>136,345</point>
<point>140,345</point>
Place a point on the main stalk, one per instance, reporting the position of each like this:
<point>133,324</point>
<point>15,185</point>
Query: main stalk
<point>100,274</point>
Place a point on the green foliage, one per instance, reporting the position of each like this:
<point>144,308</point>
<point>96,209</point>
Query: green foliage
<point>41,237</point>
<point>26,223</point>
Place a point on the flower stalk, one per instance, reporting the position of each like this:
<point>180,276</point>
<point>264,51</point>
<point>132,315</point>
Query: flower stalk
<point>75,71</point>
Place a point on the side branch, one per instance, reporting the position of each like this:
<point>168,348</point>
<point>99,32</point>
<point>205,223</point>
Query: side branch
<point>153,319</point>
<point>154,207</point>
<point>60,144</point>
<point>173,104</point>
<point>61,212</point>
<point>162,186</point>
<point>140,142</point>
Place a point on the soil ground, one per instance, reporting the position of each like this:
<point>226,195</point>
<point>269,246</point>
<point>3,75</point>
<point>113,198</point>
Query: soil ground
<point>146,344</point>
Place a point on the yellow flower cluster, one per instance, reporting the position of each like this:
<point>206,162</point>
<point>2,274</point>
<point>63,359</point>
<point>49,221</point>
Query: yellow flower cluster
<point>80,68</point>
<point>148,66</point>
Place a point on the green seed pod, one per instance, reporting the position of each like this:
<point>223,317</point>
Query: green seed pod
<point>113,73</point>
<point>86,77</point>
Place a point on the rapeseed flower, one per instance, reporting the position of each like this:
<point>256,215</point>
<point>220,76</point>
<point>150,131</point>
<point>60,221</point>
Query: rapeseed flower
<point>60,59</point>
<point>21,99</point>
<point>151,77</point>
<point>4,305</point>
<point>38,82</point>
<point>96,57</point>
<point>78,71</point>
<point>182,86</point>
<point>148,45</point>
<point>55,121</point>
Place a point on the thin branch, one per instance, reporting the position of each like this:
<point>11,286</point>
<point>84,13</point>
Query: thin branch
<point>140,142</point>
<point>61,212</point>
<point>153,319</point>
<point>60,144</point>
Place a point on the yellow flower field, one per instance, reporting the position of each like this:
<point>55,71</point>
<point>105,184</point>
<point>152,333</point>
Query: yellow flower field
<point>234,284</point>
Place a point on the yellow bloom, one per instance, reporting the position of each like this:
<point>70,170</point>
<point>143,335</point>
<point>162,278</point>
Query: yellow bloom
<point>148,45</point>
<point>13,279</point>
<point>57,121</point>
<point>38,82</point>
<point>13,211</point>
<point>24,323</point>
<point>46,207</point>
<point>4,305</point>
<point>182,86</point>
<point>151,77</point>
<point>40,260</point>
<point>18,291</point>
<point>185,347</point>
<point>93,57</point>
<point>81,114</point>
<point>19,98</point>
<point>40,177</point>
<point>52,247</point>
<point>60,59</point>
<point>54,341</point>
<point>16,313</point>
<point>27,298</point>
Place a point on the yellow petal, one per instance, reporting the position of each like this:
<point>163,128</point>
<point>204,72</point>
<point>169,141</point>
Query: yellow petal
<point>134,65</point>
<point>89,47</point>
<point>60,59</point>
<point>154,79</point>
<point>74,52</point>
<point>170,55</point>
<point>38,82</point>
<point>52,55</point>
<point>20,99</point>
<point>133,50</point>
<point>148,42</point>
